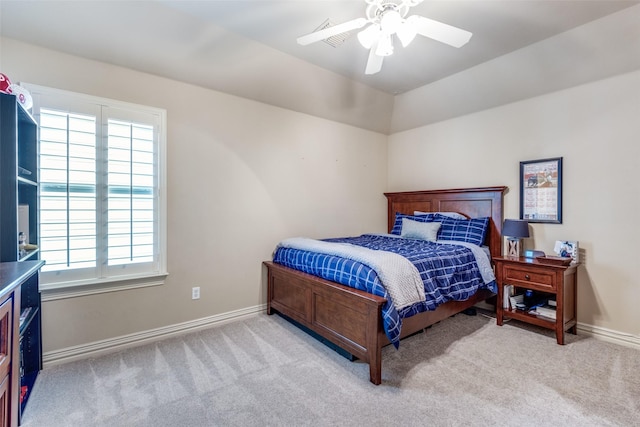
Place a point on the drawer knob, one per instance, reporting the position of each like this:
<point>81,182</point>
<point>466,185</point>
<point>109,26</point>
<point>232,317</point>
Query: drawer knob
<point>526,276</point>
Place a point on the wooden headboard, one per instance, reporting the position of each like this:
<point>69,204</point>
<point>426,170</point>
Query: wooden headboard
<point>472,202</point>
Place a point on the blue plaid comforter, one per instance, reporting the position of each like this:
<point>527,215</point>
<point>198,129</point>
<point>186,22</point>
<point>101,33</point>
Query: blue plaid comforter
<point>449,272</point>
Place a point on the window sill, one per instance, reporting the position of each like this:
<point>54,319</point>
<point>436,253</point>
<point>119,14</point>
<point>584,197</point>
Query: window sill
<point>56,291</point>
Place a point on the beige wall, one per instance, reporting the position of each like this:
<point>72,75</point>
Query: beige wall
<point>241,176</point>
<point>595,128</point>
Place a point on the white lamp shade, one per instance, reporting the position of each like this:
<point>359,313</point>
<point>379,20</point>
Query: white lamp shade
<point>391,21</point>
<point>369,35</point>
<point>385,45</point>
<point>406,33</point>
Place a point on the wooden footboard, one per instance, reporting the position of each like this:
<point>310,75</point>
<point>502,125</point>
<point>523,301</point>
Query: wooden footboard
<point>349,318</point>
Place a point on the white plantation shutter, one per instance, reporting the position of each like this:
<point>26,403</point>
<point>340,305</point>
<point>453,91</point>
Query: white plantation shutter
<point>67,190</point>
<point>131,192</point>
<point>101,190</point>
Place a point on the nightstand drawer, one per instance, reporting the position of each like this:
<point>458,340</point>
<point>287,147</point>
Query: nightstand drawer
<point>530,277</point>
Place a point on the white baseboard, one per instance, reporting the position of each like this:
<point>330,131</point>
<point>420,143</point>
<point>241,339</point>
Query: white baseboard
<point>98,348</point>
<point>608,335</point>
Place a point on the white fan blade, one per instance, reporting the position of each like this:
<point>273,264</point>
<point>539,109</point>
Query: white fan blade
<point>444,33</point>
<point>374,63</point>
<point>332,31</point>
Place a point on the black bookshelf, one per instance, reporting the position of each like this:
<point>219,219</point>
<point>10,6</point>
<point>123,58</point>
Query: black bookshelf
<point>19,213</point>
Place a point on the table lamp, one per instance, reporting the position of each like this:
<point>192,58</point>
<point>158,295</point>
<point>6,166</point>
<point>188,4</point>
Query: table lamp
<point>515,230</point>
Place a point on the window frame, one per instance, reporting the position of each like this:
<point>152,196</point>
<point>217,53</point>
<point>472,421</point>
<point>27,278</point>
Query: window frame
<point>81,286</point>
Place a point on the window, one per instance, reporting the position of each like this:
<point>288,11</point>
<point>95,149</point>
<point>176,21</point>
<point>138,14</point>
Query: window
<point>102,199</point>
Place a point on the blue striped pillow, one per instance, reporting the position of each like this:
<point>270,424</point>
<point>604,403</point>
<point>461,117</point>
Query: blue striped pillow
<point>463,230</point>
<point>397,225</point>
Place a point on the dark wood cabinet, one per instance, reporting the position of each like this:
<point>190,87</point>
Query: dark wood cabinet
<point>6,347</point>
<point>557,281</point>
<point>17,364</point>
<point>5,399</point>
<point>19,215</point>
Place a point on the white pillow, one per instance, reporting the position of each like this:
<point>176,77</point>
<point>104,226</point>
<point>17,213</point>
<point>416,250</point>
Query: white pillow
<point>420,230</point>
<point>454,215</point>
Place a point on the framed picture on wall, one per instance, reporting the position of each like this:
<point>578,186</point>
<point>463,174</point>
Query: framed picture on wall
<point>541,190</point>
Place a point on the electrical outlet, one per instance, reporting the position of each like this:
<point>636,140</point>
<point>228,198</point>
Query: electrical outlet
<point>195,292</point>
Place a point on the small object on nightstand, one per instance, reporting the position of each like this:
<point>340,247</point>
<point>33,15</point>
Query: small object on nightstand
<point>548,312</point>
<point>508,292</point>
<point>568,248</point>
<point>554,260</point>
<point>531,253</point>
<point>517,299</point>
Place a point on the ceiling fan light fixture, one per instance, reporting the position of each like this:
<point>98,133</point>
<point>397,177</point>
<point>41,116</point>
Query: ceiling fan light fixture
<point>406,33</point>
<point>390,21</point>
<point>385,45</point>
<point>369,36</point>
<point>384,19</point>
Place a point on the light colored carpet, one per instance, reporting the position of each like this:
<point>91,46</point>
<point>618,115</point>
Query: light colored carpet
<point>263,371</point>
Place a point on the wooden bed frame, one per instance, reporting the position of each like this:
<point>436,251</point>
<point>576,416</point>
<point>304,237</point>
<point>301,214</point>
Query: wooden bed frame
<point>352,319</point>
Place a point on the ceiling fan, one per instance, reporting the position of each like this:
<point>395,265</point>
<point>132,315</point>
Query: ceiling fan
<point>386,18</point>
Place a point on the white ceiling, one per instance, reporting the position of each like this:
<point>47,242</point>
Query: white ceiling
<point>498,27</point>
<point>243,46</point>
<point>108,31</point>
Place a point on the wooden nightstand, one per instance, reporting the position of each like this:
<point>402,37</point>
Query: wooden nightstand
<point>527,273</point>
